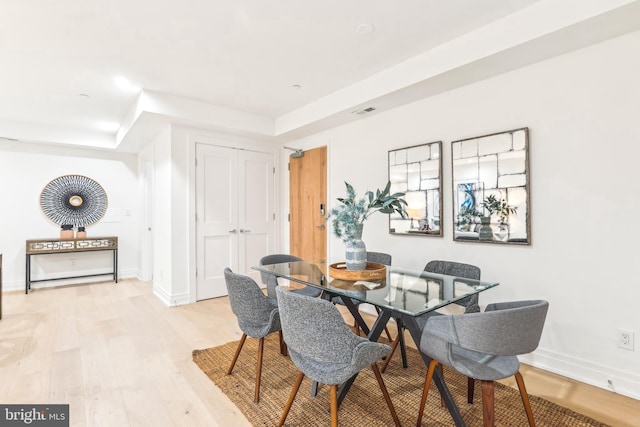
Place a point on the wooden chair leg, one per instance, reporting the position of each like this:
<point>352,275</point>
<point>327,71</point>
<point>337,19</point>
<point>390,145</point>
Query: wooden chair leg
<point>394,345</point>
<point>292,396</point>
<point>283,345</point>
<point>427,382</point>
<point>525,399</point>
<point>488,410</point>
<point>471,385</point>
<point>235,357</point>
<point>256,396</point>
<point>333,392</point>
<point>385,393</point>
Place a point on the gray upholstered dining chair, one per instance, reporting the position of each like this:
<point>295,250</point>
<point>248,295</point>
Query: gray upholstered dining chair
<point>450,268</point>
<point>485,346</point>
<point>257,316</point>
<point>271,281</point>
<point>380,258</point>
<point>323,348</point>
<point>458,269</point>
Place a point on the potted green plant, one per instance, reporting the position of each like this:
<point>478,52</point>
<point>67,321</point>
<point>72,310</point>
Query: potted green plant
<point>497,207</point>
<point>349,216</point>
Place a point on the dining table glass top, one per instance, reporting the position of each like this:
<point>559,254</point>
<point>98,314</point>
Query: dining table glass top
<point>412,292</point>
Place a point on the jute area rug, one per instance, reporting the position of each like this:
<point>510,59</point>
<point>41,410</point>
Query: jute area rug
<point>364,404</point>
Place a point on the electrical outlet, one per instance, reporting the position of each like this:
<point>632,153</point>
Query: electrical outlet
<point>625,339</point>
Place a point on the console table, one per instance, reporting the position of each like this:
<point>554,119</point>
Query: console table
<point>59,246</point>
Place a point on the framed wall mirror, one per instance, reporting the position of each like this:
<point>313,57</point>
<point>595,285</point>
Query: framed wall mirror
<point>417,172</point>
<point>491,188</point>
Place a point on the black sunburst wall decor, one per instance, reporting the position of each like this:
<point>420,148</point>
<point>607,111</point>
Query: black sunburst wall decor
<point>73,200</point>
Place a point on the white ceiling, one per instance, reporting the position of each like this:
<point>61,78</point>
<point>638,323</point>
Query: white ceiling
<point>58,60</point>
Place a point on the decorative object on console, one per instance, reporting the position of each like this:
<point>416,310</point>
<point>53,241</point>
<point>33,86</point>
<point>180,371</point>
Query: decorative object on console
<point>491,174</point>
<point>73,200</point>
<point>417,172</point>
<point>81,234</point>
<point>66,232</point>
<point>348,219</point>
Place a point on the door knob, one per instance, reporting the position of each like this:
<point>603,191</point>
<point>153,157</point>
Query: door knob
<point>245,231</point>
<point>321,227</point>
<point>233,231</point>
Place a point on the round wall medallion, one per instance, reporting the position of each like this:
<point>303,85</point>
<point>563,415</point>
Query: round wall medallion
<point>73,199</point>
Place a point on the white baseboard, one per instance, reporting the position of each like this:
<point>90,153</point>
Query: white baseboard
<point>616,380</point>
<point>170,300</point>
<point>18,285</point>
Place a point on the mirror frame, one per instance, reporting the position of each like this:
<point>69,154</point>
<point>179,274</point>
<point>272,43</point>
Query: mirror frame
<point>499,232</point>
<point>423,225</point>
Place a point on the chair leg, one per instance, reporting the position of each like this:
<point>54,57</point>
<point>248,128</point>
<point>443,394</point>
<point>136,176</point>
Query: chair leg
<point>525,399</point>
<point>256,396</point>
<point>333,392</point>
<point>385,393</point>
<point>399,340</point>
<point>292,396</point>
<point>427,382</point>
<point>394,345</point>
<point>471,385</point>
<point>488,410</point>
<point>235,357</point>
<point>283,345</point>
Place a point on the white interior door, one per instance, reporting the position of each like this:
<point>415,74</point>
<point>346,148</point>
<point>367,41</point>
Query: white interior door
<point>256,214</point>
<point>235,216</point>
<point>146,256</point>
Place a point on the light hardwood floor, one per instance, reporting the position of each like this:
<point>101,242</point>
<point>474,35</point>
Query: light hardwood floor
<point>120,357</point>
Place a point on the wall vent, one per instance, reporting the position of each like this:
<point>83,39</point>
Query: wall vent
<point>364,111</point>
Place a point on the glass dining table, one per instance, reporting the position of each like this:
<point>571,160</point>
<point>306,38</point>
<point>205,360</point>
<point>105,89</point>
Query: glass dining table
<point>408,296</point>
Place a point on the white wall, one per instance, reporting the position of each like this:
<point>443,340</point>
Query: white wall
<point>25,169</point>
<point>582,110</point>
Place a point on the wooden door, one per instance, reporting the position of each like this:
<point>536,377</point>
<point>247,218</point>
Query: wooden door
<point>235,214</point>
<point>308,205</point>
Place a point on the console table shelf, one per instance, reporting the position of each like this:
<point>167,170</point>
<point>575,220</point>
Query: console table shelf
<point>59,246</point>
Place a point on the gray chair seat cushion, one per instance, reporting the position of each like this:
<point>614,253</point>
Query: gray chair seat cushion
<point>364,354</point>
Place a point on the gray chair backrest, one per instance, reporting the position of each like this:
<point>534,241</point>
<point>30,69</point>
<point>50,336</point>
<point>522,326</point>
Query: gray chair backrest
<point>314,328</point>
<point>270,280</point>
<point>255,311</point>
<point>379,257</point>
<point>451,268</point>
<point>503,329</point>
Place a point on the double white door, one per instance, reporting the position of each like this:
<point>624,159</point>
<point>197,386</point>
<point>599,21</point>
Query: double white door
<point>235,214</point>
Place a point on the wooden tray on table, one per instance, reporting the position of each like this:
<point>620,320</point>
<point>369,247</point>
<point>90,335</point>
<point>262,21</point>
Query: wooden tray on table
<point>373,271</point>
